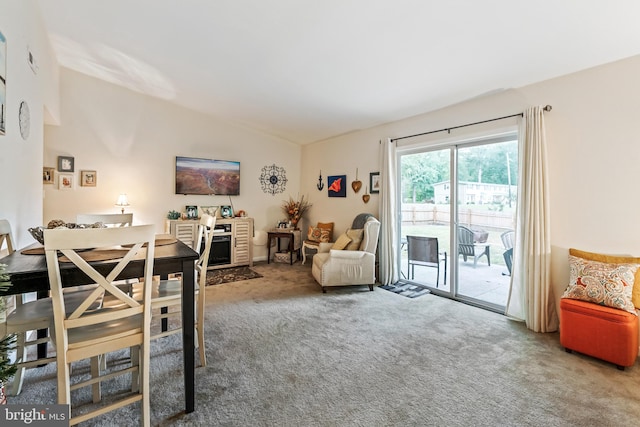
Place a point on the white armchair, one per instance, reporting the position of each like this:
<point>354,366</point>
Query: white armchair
<point>337,267</point>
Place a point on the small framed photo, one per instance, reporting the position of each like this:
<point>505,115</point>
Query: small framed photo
<point>65,181</point>
<point>226,212</point>
<point>65,164</point>
<point>47,175</point>
<point>192,212</point>
<point>208,210</point>
<point>374,182</point>
<point>88,178</point>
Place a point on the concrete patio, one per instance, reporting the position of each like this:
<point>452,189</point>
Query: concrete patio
<point>483,282</point>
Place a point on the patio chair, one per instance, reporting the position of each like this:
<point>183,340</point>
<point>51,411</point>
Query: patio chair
<point>423,251</point>
<point>467,247</point>
<point>507,240</point>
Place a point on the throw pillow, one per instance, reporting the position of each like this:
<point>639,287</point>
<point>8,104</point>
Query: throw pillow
<point>327,226</point>
<point>614,259</point>
<point>355,234</point>
<point>341,242</point>
<point>316,234</point>
<point>601,283</point>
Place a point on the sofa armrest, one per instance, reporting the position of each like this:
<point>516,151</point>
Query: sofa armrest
<point>324,247</point>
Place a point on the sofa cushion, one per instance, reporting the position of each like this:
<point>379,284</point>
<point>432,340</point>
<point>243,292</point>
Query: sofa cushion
<point>341,242</point>
<point>327,226</point>
<point>316,234</point>
<point>614,259</point>
<point>355,234</point>
<point>601,283</point>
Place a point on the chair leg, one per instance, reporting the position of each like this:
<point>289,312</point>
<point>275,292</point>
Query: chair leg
<point>95,373</point>
<point>371,287</point>
<point>18,378</point>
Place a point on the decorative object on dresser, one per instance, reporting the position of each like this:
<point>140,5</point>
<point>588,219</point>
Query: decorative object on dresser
<point>192,212</point>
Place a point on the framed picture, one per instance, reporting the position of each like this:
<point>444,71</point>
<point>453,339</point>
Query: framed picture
<point>47,175</point>
<point>337,186</point>
<point>208,210</point>
<point>374,182</point>
<point>226,211</point>
<point>65,164</point>
<point>88,178</point>
<point>192,212</point>
<point>65,181</point>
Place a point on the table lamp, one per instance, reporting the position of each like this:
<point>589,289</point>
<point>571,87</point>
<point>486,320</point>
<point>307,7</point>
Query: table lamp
<point>122,202</point>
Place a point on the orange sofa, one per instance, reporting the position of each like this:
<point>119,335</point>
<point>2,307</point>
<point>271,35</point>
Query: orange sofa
<point>606,333</point>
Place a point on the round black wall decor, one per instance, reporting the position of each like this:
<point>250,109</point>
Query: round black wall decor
<point>273,179</point>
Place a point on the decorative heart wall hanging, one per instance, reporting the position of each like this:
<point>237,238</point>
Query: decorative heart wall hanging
<point>356,185</point>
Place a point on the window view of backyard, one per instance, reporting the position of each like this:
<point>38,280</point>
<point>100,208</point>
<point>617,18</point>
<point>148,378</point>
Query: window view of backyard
<point>486,194</point>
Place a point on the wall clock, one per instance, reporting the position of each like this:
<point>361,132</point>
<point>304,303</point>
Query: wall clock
<point>25,120</point>
<point>273,179</point>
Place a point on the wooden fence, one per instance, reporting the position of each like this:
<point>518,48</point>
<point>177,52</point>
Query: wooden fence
<point>427,213</point>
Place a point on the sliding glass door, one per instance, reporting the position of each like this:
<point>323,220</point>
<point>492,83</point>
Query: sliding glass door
<point>458,214</point>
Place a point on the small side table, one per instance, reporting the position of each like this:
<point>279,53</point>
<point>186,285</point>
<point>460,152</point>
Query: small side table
<point>294,242</point>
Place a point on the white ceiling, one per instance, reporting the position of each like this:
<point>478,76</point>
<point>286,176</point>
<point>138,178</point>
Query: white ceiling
<point>307,70</point>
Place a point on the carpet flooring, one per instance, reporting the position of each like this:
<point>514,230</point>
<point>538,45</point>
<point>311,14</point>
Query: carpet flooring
<point>282,353</point>
<point>228,275</point>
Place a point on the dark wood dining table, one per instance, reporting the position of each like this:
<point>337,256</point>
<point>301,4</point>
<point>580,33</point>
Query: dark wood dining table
<point>28,273</point>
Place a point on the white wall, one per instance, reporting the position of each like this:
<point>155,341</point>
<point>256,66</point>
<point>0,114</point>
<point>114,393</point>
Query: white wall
<point>132,139</point>
<point>20,160</point>
<point>593,151</point>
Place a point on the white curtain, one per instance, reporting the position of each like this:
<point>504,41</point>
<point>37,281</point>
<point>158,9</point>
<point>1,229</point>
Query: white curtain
<point>531,296</point>
<point>388,270</point>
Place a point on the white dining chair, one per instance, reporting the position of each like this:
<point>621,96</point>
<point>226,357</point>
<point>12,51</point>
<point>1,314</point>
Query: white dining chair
<point>168,293</point>
<point>88,332</point>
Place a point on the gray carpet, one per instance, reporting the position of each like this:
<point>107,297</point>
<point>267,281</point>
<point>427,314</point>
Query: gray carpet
<point>282,353</point>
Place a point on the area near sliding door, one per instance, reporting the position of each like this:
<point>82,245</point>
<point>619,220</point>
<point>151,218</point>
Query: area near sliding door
<point>457,218</point>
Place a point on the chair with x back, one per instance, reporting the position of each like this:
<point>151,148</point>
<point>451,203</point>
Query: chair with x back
<point>88,332</point>
<point>27,316</point>
<point>168,293</point>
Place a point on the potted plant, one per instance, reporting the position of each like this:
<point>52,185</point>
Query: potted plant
<point>7,370</point>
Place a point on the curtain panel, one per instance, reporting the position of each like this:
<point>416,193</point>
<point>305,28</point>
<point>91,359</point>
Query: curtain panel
<point>531,296</point>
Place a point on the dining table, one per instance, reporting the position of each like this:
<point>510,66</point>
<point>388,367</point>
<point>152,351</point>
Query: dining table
<point>27,269</point>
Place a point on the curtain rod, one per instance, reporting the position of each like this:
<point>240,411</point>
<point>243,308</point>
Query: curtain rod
<point>546,108</point>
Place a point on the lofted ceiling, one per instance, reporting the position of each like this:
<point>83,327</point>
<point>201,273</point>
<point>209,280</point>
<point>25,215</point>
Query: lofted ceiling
<point>308,70</point>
